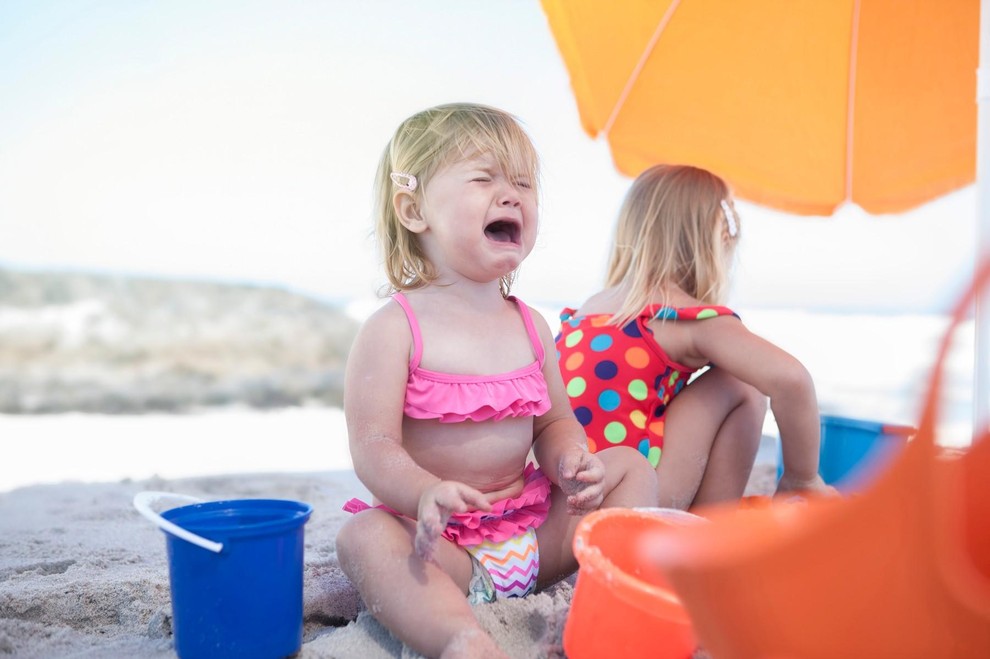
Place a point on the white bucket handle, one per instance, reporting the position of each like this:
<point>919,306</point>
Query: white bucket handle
<point>143,502</point>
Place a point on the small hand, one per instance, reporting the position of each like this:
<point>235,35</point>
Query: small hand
<point>582,478</point>
<point>436,505</point>
<point>815,486</point>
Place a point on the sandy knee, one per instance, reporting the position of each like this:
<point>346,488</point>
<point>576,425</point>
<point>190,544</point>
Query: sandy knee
<point>364,534</point>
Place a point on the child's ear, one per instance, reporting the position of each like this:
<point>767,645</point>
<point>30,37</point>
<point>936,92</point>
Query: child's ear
<point>408,211</point>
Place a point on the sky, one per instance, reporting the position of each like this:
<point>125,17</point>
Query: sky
<point>238,141</point>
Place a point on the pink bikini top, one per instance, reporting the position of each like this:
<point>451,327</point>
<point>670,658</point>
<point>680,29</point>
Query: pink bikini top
<point>451,398</point>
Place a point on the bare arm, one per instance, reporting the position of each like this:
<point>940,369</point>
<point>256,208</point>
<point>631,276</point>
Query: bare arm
<point>560,444</point>
<point>728,344</point>
<point>374,394</point>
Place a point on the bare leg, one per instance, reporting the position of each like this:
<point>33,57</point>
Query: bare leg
<point>711,435</point>
<point>424,604</point>
<point>629,481</point>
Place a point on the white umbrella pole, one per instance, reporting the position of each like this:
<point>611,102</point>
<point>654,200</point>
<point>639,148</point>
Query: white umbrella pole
<point>981,353</point>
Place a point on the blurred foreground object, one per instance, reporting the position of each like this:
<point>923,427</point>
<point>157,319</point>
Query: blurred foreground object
<point>902,569</point>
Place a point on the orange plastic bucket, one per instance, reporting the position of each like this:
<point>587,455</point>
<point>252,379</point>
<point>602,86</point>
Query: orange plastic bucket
<point>622,604</point>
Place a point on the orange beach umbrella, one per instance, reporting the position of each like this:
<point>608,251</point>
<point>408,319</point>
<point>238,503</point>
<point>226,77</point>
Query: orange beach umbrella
<point>802,105</point>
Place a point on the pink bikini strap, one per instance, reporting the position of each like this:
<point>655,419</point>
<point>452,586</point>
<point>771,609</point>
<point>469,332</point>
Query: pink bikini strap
<point>414,327</point>
<point>534,336</point>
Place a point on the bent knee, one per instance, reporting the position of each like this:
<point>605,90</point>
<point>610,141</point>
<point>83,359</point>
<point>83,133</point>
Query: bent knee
<point>625,460</point>
<point>630,478</point>
<point>753,399</point>
<point>363,533</point>
<point>743,394</point>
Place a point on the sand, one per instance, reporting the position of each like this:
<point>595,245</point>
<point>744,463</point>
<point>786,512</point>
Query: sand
<point>82,574</point>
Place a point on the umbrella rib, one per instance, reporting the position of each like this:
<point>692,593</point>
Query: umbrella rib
<point>661,26</point>
<point>851,100</point>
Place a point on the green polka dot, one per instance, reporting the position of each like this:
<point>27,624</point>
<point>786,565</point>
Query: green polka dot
<point>574,338</point>
<point>673,378</point>
<point>615,432</point>
<point>654,456</point>
<point>576,387</point>
<point>638,390</point>
<point>707,313</point>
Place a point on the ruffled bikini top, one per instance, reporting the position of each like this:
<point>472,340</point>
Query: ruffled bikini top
<point>451,398</point>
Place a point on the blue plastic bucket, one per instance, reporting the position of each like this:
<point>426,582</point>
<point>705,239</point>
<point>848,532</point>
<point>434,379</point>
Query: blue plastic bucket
<point>236,575</point>
<point>853,451</point>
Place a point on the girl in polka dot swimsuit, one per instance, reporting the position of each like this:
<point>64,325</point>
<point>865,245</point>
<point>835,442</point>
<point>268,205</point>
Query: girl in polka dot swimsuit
<point>628,353</point>
<point>451,384</point>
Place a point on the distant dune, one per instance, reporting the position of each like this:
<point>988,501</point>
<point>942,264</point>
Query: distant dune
<point>113,344</point>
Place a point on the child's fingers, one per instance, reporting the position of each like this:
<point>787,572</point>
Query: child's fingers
<point>427,535</point>
<point>475,500</point>
<point>586,499</point>
<point>577,464</point>
<point>460,498</point>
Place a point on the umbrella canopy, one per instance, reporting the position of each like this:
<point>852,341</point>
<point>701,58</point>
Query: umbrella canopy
<point>801,105</point>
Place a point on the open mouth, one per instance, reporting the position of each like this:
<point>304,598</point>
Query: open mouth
<point>503,231</point>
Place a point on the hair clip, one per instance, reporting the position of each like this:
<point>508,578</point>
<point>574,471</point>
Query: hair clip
<point>730,219</point>
<point>404,181</point>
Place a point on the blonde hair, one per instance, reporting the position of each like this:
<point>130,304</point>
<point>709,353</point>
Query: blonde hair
<point>423,144</point>
<point>672,230</point>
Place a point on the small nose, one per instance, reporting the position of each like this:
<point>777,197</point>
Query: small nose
<point>510,196</point>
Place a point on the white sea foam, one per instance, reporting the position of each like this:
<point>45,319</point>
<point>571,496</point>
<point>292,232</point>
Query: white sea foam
<point>100,448</point>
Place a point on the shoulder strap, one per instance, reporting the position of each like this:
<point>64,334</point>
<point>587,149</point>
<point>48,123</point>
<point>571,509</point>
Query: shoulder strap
<point>414,328</point>
<point>534,336</point>
<point>660,312</point>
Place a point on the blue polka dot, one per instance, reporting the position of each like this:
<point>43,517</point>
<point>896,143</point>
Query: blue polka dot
<point>601,342</point>
<point>644,447</point>
<point>606,370</point>
<point>632,329</point>
<point>658,411</point>
<point>609,400</point>
<point>583,415</point>
<point>666,313</point>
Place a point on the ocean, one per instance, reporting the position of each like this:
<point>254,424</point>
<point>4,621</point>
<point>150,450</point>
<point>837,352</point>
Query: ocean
<point>865,367</point>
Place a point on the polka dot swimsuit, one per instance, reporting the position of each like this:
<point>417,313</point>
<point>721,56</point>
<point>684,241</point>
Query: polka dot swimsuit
<point>619,380</point>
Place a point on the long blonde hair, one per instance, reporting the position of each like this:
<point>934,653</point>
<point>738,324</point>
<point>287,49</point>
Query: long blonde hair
<point>423,144</point>
<point>672,230</point>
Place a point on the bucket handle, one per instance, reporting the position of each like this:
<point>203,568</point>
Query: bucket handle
<point>143,502</point>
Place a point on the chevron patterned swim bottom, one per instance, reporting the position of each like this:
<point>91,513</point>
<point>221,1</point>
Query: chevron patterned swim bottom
<point>504,569</point>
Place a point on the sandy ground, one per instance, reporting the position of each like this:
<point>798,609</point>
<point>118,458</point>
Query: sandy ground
<point>82,574</point>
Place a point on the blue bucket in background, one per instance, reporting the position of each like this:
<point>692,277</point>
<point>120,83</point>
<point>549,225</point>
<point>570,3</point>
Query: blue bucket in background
<point>235,574</point>
<point>853,451</point>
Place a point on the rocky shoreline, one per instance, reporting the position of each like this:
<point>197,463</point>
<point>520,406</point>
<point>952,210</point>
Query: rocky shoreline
<point>127,345</point>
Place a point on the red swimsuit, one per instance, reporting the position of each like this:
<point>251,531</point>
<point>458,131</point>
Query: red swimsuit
<point>619,379</point>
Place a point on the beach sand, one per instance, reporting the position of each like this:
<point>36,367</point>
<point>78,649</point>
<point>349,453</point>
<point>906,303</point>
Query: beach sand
<point>82,574</point>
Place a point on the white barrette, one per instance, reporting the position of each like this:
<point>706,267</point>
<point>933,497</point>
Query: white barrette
<point>404,181</point>
<point>730,219</point>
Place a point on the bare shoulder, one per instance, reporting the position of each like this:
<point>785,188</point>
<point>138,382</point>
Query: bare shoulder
<point>539,322</point>
<point>384,331</point>
<point>606,301</point>
<point>388,317</point>
<point>719,329</point>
